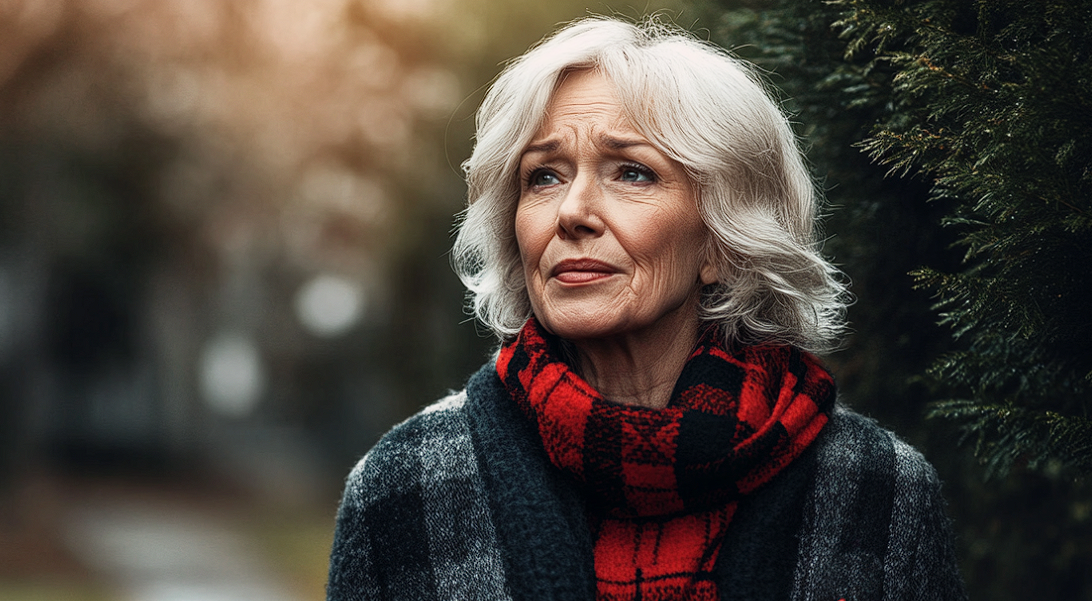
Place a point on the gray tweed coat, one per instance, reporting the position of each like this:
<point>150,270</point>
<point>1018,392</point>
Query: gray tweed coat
<point>460,502</point>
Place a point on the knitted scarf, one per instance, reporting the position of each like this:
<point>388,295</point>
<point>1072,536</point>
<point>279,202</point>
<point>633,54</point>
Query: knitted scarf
<point>662,485</point>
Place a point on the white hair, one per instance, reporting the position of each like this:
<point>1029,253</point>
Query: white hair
<point>701,107</point>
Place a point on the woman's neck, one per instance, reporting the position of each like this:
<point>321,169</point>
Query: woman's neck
<point>638,368</point>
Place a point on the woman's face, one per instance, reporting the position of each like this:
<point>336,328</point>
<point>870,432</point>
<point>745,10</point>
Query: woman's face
<point>607,226</point>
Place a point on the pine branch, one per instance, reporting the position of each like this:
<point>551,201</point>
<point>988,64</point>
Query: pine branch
<point>1006,434</point>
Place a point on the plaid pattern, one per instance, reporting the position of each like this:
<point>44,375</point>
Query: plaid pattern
<point>414,523</point>
<point>421,520</point>
<point>664,484</point>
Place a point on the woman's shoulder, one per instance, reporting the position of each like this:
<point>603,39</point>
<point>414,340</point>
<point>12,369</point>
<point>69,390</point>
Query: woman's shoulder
<point>433,446</point>
<point>852,442</point>
<point>415,505</point>
<point>433,442</point>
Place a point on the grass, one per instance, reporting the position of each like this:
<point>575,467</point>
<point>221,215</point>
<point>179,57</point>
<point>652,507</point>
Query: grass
<point>297,547</point>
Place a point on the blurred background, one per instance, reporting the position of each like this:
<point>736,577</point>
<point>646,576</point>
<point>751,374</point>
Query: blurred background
<point>223,275</point>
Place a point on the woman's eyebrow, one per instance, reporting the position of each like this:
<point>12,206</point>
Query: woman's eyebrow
<point>544,146</point>
<point>606,140</point>
<point>616,143</point>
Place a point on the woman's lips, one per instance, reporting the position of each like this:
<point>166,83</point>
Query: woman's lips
<point>581,271</point>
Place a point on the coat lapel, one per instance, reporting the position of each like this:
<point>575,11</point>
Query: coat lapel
<point>538,515</point>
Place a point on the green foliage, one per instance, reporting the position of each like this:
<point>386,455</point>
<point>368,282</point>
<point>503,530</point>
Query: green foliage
<point>1040,436</point>
<point>993,103</point>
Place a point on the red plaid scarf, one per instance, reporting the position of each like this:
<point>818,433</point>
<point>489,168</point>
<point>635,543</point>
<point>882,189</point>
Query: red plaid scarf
<point>663,484</point>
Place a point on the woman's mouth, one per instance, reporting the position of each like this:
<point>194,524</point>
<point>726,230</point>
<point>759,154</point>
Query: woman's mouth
<point>581,271</point>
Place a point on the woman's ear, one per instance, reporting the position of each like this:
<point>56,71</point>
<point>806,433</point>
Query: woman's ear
<point>709,273</point>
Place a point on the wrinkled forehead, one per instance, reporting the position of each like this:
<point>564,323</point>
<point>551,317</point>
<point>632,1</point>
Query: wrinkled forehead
<point>585,100</point>
<point>590,94</point>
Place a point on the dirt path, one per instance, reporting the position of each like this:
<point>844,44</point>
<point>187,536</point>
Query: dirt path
<point>148,552</point>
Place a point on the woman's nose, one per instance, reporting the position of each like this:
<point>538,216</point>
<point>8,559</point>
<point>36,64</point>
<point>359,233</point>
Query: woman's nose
<point>579,215</point>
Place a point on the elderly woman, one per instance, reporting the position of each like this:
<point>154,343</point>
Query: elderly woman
<point>641,237</point>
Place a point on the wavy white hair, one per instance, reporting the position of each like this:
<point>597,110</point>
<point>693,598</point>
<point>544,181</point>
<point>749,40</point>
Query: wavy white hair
<point>703,108</point>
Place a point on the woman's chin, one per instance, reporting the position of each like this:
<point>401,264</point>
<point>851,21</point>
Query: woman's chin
<point>585,325</point>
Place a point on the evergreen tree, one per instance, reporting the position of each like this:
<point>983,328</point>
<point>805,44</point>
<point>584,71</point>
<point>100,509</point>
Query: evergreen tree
<point>993,102</point>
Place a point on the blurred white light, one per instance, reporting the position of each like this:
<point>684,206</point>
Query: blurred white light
<point>329,305</point>
<point>231,375</point>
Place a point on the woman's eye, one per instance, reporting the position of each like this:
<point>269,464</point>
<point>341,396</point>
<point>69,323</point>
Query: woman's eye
<point>543,178</point>
<point>636,174</point>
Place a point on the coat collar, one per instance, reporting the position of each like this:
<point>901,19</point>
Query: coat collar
<point>539,515</point>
